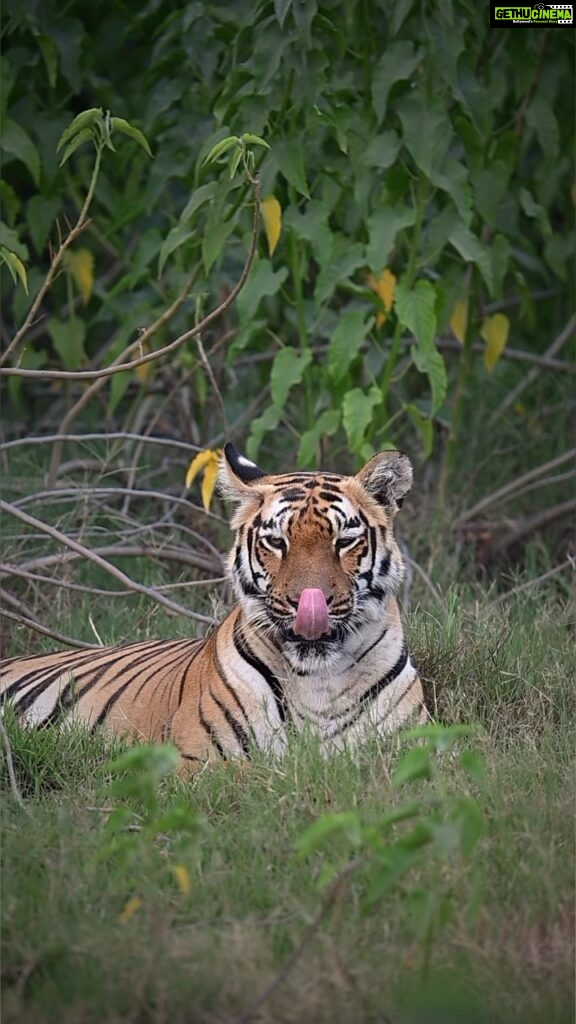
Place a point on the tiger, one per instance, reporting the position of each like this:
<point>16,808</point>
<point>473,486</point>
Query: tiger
<point>314,643</point>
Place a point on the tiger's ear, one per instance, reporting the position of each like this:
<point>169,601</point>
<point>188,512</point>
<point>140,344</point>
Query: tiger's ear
<point>237,474</point>
<point>387,477</point>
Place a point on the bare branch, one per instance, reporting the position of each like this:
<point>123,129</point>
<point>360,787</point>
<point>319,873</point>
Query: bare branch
<point>53,634</point>
<point>514,485</point>
<point>7,569</point>
<point>570,563</point>
<point>512,396</point>
<point>538,522</point>
<point>91,556</point>
<point>119,365</point>
<point>55,263</point>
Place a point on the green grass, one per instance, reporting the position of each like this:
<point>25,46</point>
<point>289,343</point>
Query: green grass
<point>505,954</point>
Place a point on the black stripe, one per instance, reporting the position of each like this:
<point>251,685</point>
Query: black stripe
<point>110,704</point>
<point>374,691</point>
<point>239,732</point>
<point>254,661</point>
<point>211,733</point>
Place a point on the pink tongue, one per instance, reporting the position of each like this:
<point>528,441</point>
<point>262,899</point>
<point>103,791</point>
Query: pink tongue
<point>312,615</point>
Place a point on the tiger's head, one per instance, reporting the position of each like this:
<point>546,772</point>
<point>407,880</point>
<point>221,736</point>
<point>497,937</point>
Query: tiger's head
<point>315,562</point>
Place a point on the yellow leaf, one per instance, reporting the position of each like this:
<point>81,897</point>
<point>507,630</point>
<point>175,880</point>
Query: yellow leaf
<point>384,286</point>
<point>199,462</point>
<point>143,372</point>
<point>81,265</point>
<point>272,217</point>
<point>494,330</point>
<point>129,909</point>
<point>206,462</point>
<point>209,482</point>
<point>459,320</point>
<point>183,878</point>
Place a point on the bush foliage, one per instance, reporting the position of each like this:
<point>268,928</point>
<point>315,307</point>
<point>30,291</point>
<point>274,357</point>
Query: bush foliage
<point>418,175</point>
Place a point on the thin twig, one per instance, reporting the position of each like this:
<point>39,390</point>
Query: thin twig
<point>7,569</point>
<point>538,522</point>
<point>569,563</point>
<point>22,620</point>
<point>513,485</point>
<point>178,555</point>
<point>113,435</point>
<point>332,896</point>
<point>91,556</point>
<point>120,366</point>
<point>81,223</point>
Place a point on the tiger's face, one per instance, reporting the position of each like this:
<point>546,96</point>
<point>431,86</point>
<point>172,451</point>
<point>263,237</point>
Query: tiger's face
<point>315,561</point>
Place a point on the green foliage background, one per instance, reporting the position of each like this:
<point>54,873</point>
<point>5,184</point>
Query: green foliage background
<point>406,135</point>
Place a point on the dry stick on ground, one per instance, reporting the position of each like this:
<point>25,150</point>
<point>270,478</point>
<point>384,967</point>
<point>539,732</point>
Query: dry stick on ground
<point>120,367</point>
<point>570,563</point>
<point>335,893</point>
<point>514,485</point>
<point>85,552</point>
<point>532,375</point>
<point>22,620</point>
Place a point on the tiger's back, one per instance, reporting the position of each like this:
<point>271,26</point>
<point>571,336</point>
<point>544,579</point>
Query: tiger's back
<point>314,642</point>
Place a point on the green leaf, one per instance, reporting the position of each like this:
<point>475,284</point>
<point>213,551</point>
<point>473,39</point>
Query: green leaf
<point>541,118</point>
<point>41,212</point>
<point>472,250</point>
<point>254,140</point>
<point>352,329</point>
<point>287,156</point>
<point>236,158</point>
<point>16,141</point>
<point>68,340</point>
<point>382,151</point>
<point>268,421</point>
<point>470,824</point>
<point>9,239</point>
<point>325,827</point>
<point>200,196</point>
<point>416,310</point>
<point>118,387</point>
<point>281,8</point>
<point>325,426</point>
<point>221,147</point>
<point>358,413</point>
<point>263,281</point>
<point>118,124</point>
<point>415,764</point>
<point>15,266</point>
<point>287,370</point>
<point>475,767</point>
<point>454,181</point>
<point>345,259</point>
<point>87,119</point>
<point>50,55</point>
<point>397,64</point>
<point>215,234</point>
<point>383,227</point>
<point>312,225</point>
<point>427,132</point>
<point>175,238</point>
<point>86,135</point>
